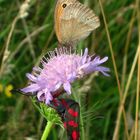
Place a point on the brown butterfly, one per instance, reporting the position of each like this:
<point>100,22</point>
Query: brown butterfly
<point>73,21</point>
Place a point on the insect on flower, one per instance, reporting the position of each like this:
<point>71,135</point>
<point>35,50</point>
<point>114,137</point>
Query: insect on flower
<point>69,111</point>
<point>73,21</point>
<point>56,73</point>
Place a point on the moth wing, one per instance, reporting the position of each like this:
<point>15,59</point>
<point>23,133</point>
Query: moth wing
<point>72,118</point>
<point>77,22</point>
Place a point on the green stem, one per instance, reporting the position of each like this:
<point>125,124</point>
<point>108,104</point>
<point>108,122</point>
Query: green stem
<point>83,131</point>
<point>47,130</point>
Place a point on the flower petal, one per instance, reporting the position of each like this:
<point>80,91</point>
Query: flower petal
<point>67,87</point>
<point>103,60</point>
<point>57,86</point>
<point>91,67</point>
<point>84,57</point>
<point>31,77</point>
<point>31,88</point>
<point>41,96</point>
<point>98,61</point>
<point>103,70</point>
<point>72,76</point>
<point>48,97</point>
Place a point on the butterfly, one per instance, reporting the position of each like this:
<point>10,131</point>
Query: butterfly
<point>73,21</point>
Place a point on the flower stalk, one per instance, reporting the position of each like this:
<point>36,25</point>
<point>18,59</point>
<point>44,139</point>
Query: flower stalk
<point>47,130</point>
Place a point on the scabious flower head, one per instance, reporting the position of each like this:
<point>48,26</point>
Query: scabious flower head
<point>60,70</point>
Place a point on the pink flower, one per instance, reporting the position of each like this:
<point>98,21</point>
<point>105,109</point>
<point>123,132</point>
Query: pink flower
<point>60,70</point>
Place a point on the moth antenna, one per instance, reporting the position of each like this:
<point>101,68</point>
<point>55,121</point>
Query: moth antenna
<point>19,91</point>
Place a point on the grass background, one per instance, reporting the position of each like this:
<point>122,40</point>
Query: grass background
<point>109,105</point>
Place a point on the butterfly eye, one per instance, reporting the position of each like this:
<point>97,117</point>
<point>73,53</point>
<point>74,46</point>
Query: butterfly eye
<point>87,18</point>
<point>64,5</point>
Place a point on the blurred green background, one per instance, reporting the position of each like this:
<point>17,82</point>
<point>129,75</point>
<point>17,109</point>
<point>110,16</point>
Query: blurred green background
<point>27,39</point>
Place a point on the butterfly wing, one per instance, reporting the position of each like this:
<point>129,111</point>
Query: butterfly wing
<point>77,22</point>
